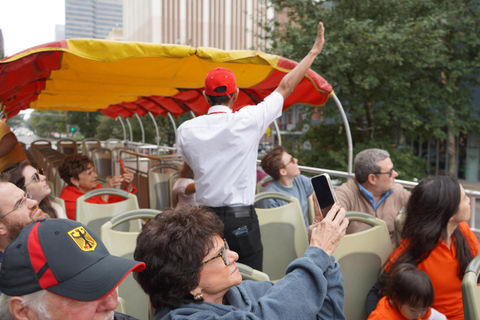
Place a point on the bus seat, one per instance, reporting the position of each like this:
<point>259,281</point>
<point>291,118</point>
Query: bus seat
<point>88,144</point>
<point>311,209</point>
<point>398,225</point>
<point>122,244</point>
<point>61,202</point>
<point>471,291</point>
<point>58,182</point>
<point>102,160</point>
<point>67,146</point>
<point>112,143</point>
<point>158,186</point>
<point>248,273</point>
<point>361,255</point>
<point>172,196</point>
<point>260,183</point>
<point>121,307</point>
<point>283,233</point>
<point>95,215</point>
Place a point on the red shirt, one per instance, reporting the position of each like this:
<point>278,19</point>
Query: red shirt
<point>441,266</point>
<point>70,194</point>
<point>386,311</point>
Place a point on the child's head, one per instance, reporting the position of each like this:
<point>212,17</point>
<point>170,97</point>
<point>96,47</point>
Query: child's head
<point>410,290</point>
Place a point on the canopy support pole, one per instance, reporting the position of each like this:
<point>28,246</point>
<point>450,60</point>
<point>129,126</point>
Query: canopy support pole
<point>157,138</point>
<point>277,129</point>
<point>174,125</point>
<point>123,128</point>
<point>347,132</point>
<point>130,128</point>
<point>141,127</point>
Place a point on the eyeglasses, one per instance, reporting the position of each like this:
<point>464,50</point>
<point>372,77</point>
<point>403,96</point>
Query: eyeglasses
<point>388,172</point>
<point>223,254</point>
<point>292,160</point>
<point>35,177</point>
<point>19,205</point>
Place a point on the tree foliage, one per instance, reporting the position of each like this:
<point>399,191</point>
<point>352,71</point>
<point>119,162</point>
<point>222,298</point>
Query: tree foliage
<point>399,67</point>
<point>44,122</point>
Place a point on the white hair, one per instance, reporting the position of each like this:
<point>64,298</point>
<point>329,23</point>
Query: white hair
<point>35,301</point>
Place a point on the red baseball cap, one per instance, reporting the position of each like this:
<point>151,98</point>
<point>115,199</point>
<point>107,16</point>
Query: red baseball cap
<point>220,82</point>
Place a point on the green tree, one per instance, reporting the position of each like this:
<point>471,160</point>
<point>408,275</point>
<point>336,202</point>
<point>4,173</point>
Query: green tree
<point>46,121</point>
<point>87,122</point>
<point>400,67</point>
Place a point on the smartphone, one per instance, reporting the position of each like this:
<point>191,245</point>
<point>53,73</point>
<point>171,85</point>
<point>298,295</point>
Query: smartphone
<point>322,186</point>
<point>122,165</point>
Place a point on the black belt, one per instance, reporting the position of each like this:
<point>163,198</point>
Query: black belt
<point>234,212</point>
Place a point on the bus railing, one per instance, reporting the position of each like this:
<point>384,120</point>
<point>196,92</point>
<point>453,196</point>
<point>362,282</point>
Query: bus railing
<point>474,195</point>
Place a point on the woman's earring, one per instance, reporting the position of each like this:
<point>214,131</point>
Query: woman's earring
<point>198,296</point>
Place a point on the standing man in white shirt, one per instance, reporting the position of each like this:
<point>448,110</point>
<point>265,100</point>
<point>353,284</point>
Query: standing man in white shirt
<point>222,149</point>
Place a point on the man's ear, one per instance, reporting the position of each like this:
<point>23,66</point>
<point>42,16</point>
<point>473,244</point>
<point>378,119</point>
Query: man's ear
<point>282,172</point>
<point>206,98</point>
<point>18,311</point>
<point>3,228</point>
<point>372,179</point>
<point>235,95</point>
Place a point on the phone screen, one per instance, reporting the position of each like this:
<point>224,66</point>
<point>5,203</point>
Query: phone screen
<point>324,192</point>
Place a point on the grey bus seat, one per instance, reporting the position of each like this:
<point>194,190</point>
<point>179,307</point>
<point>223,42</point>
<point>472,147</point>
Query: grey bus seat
<point>361,255</point>
<point>122,244</point>
<point>471,291</point>
<point>102,160</point>
<point>248,273</point>
<point>158,186</point>
<point>95,215</point>
<point>283,232</point>
<point>88,144</point>
<point>113,142</point>
<point>171,182</point>
<point>67,146</point>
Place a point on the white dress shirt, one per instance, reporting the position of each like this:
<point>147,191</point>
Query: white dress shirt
<point>222,150</point>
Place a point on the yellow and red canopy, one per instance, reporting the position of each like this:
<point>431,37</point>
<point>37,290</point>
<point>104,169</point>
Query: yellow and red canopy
<point>123,78</point>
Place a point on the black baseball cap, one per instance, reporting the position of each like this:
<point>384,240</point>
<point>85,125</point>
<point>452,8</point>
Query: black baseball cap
<point>64,257</point>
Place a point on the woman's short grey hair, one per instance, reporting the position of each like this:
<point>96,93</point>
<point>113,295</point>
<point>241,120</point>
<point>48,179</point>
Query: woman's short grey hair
<point>36,301</point>
<point>366,162</point>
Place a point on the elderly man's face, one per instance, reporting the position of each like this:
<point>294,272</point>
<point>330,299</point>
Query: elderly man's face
<point>61,308</point>
<point>15,211</point>
<point>386,176</point>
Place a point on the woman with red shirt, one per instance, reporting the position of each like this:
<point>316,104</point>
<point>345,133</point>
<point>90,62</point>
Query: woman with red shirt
<point>437,239</point>
<point>78,172</point>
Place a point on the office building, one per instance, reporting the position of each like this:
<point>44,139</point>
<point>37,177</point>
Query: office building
<point>92,19</point>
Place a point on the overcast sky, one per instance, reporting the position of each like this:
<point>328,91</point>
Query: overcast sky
<point>28,23</point>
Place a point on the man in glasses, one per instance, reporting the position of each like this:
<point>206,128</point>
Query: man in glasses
<point>17,210</point>
<point>283,168</point>
<point>373,190</point>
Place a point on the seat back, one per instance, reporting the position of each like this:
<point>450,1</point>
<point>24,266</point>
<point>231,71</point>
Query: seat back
<point>260,183</point>
<point>95,215</point>
<point>361,255</point>
<point>471,291</point>
<point>311,209</point>
<point>58,182</point>
<point>398,225</point>
<point>102,160</point>
<point>112,143</point>
<point>88,144</point>
<point>171,181</point>
<point>67,146</point>
<point>248,273</point>
<point>61,203</point>
<point>158,186</point>
<point>283,232</point>
<point>122,244</point>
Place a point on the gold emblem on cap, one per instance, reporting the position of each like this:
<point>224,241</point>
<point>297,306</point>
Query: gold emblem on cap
<point>83,239</point>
